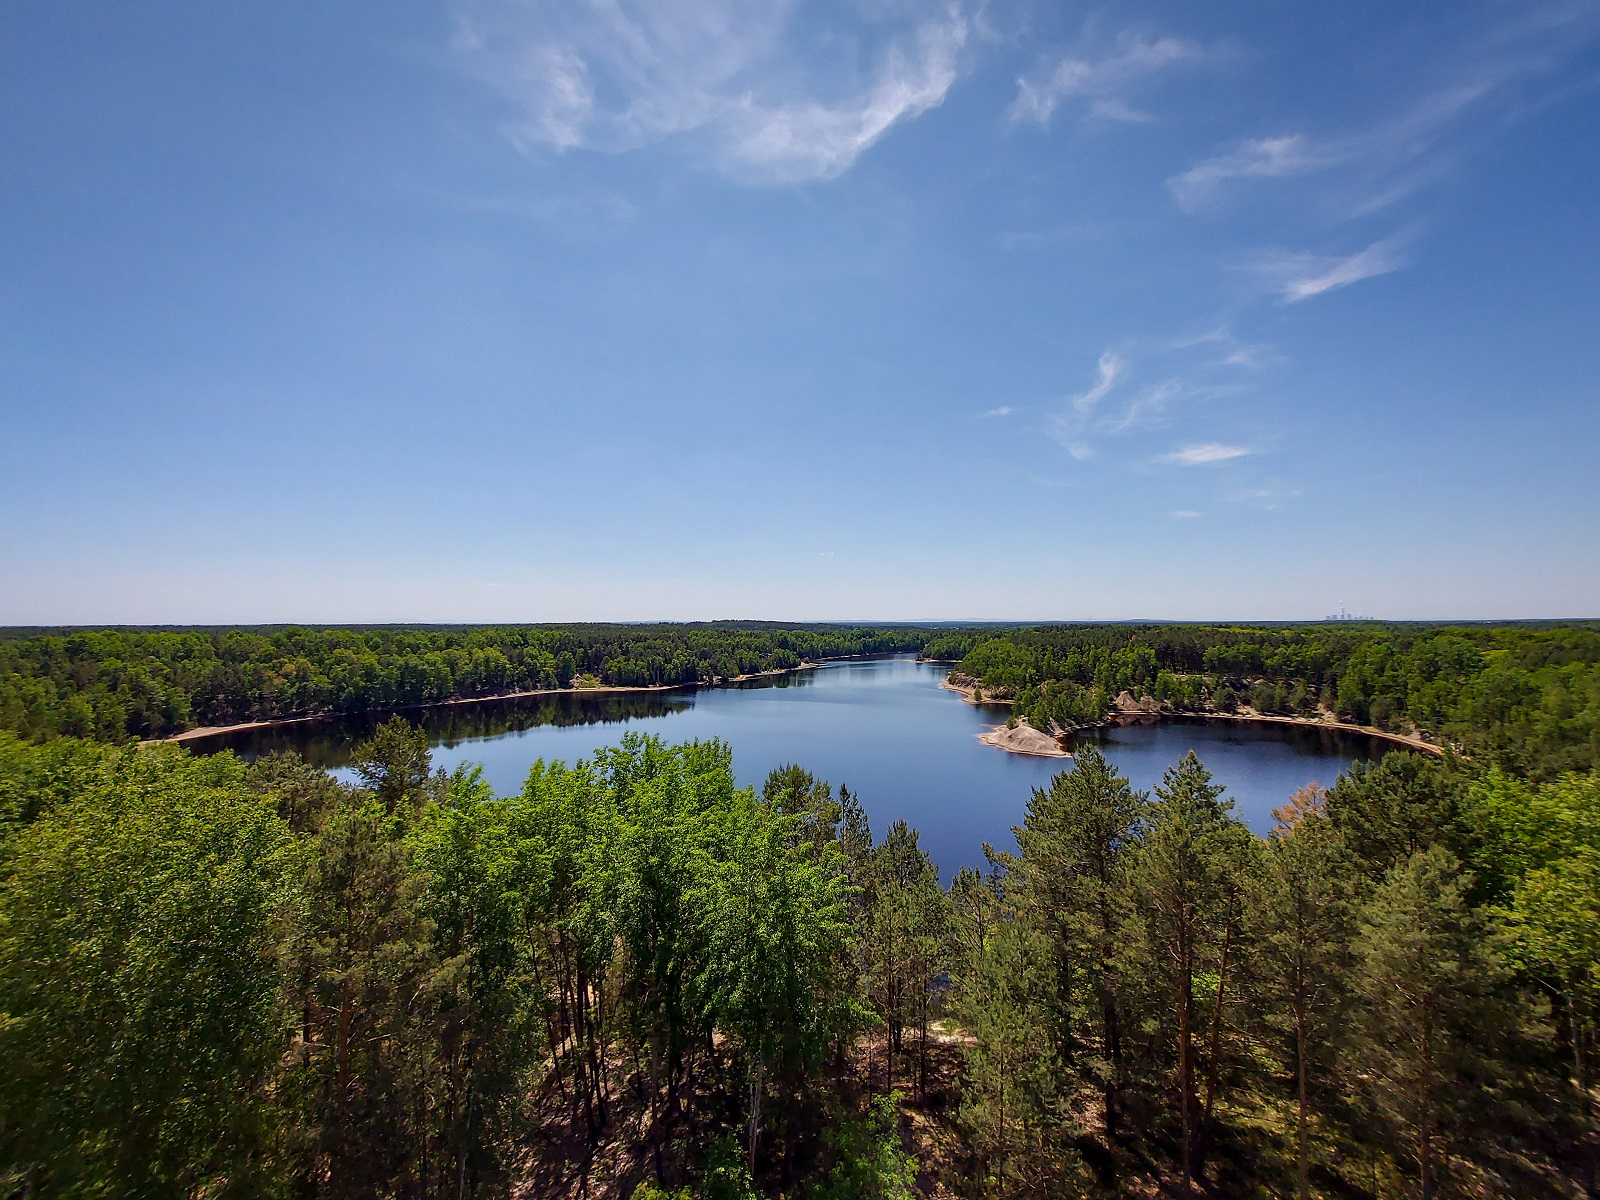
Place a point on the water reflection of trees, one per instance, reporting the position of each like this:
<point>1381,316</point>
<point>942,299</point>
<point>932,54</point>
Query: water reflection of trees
<point>328,741</point>
<point>1310,740</point>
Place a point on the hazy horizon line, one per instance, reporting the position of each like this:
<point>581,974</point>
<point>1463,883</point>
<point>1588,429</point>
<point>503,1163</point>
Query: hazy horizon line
<point>863,622</point>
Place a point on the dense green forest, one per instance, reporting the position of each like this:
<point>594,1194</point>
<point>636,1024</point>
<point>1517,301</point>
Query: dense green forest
<point>634,978</point>
<point>118,684</point>
<point>1524,696</point>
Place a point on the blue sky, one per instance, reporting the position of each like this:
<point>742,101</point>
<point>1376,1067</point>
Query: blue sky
<point>501,310</point>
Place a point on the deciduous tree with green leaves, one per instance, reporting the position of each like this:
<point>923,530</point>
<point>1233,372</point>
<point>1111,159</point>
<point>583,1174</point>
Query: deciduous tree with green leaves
<point>140,1029</point>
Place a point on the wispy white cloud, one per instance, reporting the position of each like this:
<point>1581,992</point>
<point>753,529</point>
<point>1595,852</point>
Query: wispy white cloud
<point>1101,81</point>
<point>1108,368</point>
<point>1070,426</point>
<point>615,75</point>
<point>1296,276</point>
<point>1269,497</point>
<point>1005,410</point>
<point>1230,350</point>
<point>1379,165</point>
<point>1149,403</point>
<point>1185,514</point>
<point>1258,158</point>
<point>791,141</point>
<point>1127,398</point>
<point>1205,454</point>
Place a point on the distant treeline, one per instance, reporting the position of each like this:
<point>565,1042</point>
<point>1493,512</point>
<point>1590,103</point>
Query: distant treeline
<point>1523,696</point>
<point>113,685</point>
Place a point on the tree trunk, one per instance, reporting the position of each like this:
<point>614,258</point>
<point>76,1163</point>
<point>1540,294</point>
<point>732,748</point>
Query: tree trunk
<point>461,1175</point>
<point>1000,1173</point>
<point>1113,1042</point>
<point>585,1065</point>
<point>755,1112</point>
<point>922,1048</point>
<point>1111,1026</point>
<point>1425,1126</point>
<point>1215,1069</point>
<point>1186,1052</point>
<point>1302,1153</point>
<point>1581,1052</point>
<point>888,1058</point>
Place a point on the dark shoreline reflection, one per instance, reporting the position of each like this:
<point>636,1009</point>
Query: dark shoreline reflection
<point>1302,739</point>
<point>1259,762</point>
<point>328,741</point>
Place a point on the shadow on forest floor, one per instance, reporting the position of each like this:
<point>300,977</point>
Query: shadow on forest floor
<point>636,1145</point>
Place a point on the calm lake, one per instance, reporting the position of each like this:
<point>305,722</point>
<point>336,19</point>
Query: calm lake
<point>882,726</point>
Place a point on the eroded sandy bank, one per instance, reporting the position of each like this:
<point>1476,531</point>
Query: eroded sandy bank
<point>1024,739</point>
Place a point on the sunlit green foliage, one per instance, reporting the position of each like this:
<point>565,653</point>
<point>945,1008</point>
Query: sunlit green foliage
<point>868,1160</point>
<point>139,1021</point>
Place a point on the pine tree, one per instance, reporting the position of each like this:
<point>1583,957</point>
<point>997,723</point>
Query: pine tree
<point>796,792</point>
<point>394,764</point>
<point>855,834</point>
<point>901,937</point>
<point>1431,1017</point>
<point>1071,882</point>
<point>1187,886</point>
<point>1009,1108</point>
<point>359,967</point>
<point>1302,910</point>
<point>303,794</point>
<point>1390,809</point>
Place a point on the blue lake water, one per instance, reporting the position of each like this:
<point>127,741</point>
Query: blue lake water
<point>885,727</point>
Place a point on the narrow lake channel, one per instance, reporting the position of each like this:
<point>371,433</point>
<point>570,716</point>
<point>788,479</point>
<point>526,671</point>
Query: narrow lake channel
<point>883,726</point>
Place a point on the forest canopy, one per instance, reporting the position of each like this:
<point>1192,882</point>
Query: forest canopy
<point>634,978</point>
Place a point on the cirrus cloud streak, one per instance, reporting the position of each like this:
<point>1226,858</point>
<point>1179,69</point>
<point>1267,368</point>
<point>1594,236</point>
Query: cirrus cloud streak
<point>722,76</point>
<point>1205,454</point>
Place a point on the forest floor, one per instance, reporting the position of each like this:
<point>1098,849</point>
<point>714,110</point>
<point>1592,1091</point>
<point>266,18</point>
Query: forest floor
<point>631,1149</point>
<point>634,1148</point>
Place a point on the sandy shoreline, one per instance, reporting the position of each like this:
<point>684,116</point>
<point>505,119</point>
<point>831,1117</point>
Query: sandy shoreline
<point>202,732</point>
<point>1141,716</point>
<point>1024,739</point>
